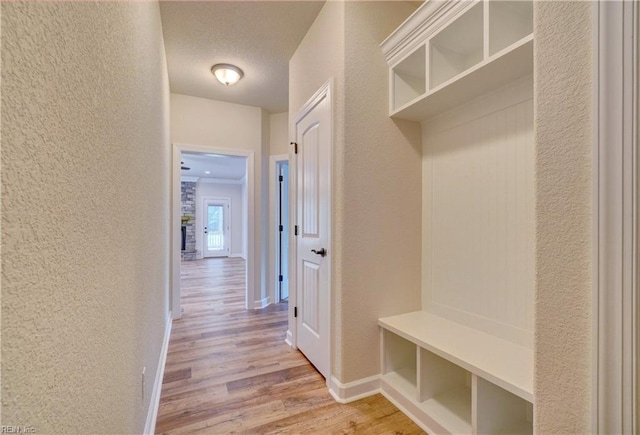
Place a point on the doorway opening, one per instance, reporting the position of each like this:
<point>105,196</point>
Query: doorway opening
<point>212,213</point>
<point>282,258</point>
<point>279,228</point>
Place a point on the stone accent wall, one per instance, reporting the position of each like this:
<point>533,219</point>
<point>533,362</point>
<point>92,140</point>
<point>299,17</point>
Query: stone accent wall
<point>188,208</point>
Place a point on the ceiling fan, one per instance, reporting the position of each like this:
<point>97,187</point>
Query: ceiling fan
<point>184,168</point>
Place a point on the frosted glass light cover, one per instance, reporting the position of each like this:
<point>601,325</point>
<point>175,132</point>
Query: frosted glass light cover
<point>227,74</point>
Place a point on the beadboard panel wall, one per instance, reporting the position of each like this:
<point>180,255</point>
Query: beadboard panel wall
<point>478,214</point>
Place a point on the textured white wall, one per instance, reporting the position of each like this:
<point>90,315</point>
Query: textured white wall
<point>264,210</point>
<point>278,145</point>
<point>219,190</point>
<point>563,132</point>
<point>377,177</point>
<point>200,121</point>
<point>382,170</point>
<point>318,58</point>
<point>279,133</point>
<point>85,213</point>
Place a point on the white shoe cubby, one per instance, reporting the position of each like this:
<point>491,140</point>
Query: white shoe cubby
<point>454,379</point>
<point>400,367</point>
<point>445,392</point>
<point>499,411</point>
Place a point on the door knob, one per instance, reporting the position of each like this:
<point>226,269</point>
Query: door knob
<point>321,252</point>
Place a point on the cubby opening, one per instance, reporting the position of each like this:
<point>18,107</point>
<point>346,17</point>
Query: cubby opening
<point>501,412</point>
<point>445,392</point>
<point>400,363</point>
<point>509,22</point>
<point>456,48</point>
<point>409,80</point>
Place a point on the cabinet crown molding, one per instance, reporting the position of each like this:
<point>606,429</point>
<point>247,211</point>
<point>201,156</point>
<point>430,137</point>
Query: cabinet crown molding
<point>426,20</point>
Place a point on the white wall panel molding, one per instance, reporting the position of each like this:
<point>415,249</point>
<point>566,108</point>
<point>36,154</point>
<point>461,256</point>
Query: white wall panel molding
<point>615,163</point>
<point>478,198</point>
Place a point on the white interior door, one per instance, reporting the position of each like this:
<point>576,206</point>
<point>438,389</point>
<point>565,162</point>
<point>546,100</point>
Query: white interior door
<point>313,137</point>
<point>216,228</point>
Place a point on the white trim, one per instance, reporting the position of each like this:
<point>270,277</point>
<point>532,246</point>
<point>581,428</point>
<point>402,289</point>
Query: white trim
<point>274,249</point>
<point>413,32</point>
<point>293,245</point>
<point>356,390</point>
<point>186,179</point>
<point>289,339</point>
<point>261,303</point>
<point>154,403</point>
<point>221,180</point>
<point>615,166</point>
<point>250,246</point>
<point>237,256</point>
<point>325,91</point>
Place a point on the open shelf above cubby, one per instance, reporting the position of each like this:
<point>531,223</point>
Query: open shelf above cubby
<point>409,78</point>
<point>457,47</point>
<point>467,50</point>
<point>509,22</point>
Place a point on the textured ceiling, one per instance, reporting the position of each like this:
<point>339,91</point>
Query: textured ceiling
<point>257,36</point>
<point>218,166</point>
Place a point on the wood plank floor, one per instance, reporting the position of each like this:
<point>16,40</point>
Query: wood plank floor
<point>229,370</point>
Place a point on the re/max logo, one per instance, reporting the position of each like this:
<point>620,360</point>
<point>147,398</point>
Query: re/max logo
<point>17,429</point>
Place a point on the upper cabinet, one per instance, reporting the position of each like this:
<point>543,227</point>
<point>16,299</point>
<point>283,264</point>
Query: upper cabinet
<point>450,52</point>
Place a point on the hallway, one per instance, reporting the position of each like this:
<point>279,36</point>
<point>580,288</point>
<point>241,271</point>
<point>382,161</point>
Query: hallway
<point>229,370</point>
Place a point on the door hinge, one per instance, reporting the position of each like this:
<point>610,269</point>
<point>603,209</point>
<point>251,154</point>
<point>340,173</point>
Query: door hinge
<point>280,278</point>
<point>295,311</point>
<point>281,228</point>
<point>280,178</point>
<point>295,147</point>
<point>296,230</point>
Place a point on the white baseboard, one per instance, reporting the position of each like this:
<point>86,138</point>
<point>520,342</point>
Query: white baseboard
<point>154,403</point>
<point>349,392</point>
<point>237,256</point>
<point>289,338</point>
<point>261,303</point>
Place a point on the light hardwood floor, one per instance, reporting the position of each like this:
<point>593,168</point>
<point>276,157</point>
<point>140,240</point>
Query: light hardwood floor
<point>229,370</point>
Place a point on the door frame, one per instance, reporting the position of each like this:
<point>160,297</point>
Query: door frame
<point>325,91</point>
<point>225,201</point>
<point>250,246</point>
<point>616,96</point>
<point>274,160</point>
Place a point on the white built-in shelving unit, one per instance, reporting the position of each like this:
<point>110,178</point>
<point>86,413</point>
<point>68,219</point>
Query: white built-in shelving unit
<point>463,363</point>
<point>485,45</point>
<point>456,379</point>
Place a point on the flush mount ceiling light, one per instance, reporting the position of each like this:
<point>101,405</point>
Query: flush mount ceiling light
<point>227,74</point>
